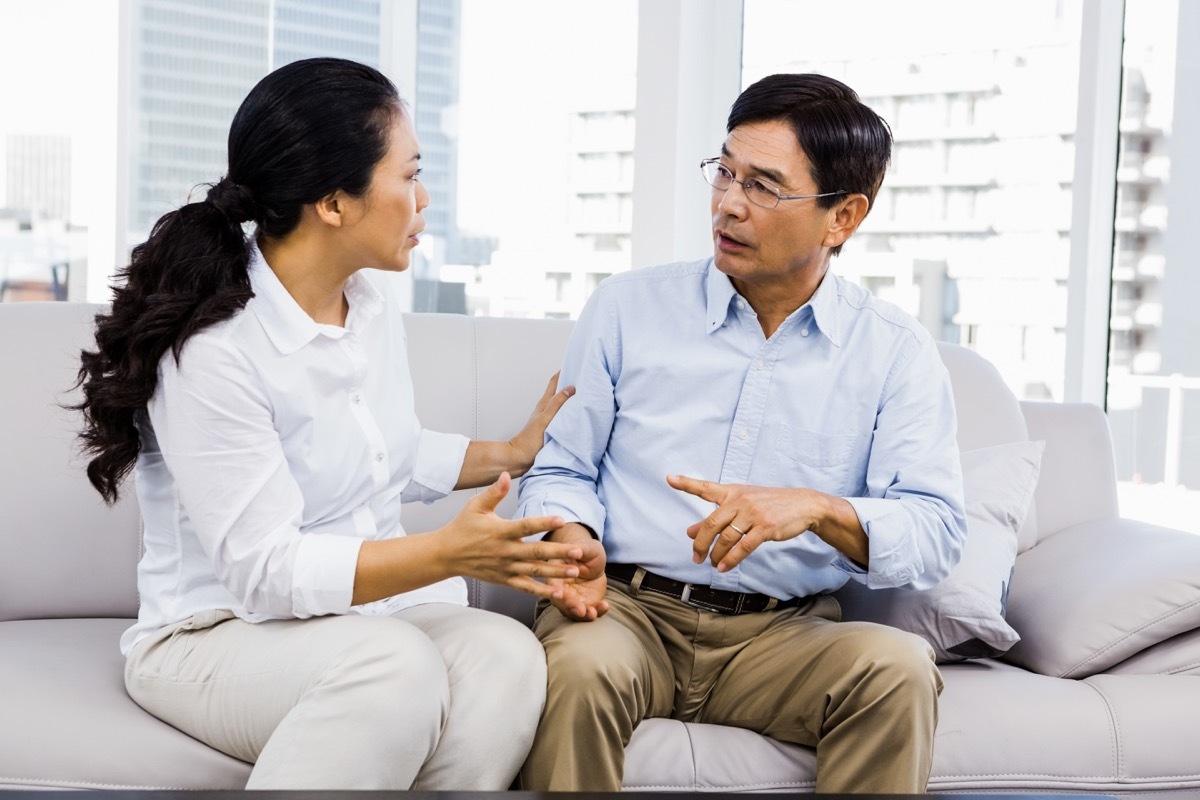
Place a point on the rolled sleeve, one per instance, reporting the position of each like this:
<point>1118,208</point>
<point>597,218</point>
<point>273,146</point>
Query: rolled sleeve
<point>323,574</point>
<point>895,558</point>
<point>568,502</point>
<point>437,467</point>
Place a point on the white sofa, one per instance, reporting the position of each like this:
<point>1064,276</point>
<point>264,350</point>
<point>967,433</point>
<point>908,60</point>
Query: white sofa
<point>1121,720</point>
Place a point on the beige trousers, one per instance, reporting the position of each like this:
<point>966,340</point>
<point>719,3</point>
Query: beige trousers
<point>435,697</point>
<point>864,695</point>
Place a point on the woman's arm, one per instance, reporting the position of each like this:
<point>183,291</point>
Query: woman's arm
<point>476,544</point>
<point>486,460</point>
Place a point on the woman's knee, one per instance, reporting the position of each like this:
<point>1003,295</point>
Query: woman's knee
<point>388,665</point>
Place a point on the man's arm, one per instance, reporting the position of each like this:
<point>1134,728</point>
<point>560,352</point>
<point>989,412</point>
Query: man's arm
<point>564,474</point>
<point>747,516</point>
<point>909,528</point>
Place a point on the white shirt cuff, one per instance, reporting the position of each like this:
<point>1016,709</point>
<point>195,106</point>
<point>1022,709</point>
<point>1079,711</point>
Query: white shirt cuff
<point>323,574</point>
<point>438,463</point>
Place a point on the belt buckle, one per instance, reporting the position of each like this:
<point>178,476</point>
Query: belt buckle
<point>685,597</point>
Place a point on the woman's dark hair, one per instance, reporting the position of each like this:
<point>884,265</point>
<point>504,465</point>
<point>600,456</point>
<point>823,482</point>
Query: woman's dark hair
<point>847,144</point>
<point>304,131</point>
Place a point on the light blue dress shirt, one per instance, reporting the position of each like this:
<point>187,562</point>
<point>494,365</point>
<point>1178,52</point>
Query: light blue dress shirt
<point>674,375</point>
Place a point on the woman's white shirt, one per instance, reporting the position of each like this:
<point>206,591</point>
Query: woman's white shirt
<point>272,450</point>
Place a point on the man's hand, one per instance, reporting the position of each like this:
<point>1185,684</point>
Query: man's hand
<point>526,444</point>
<point>747,516</point>
<point>581,598</point>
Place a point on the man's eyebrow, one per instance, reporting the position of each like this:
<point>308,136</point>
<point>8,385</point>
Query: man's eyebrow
<point>766,172</point>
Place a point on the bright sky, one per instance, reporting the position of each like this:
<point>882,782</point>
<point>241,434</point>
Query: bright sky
<point>59,66</point>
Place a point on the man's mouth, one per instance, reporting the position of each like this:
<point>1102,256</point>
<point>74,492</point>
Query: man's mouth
<point>724,240</point>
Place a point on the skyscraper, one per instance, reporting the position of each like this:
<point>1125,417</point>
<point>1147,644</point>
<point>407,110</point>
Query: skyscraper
<point>191,62</point>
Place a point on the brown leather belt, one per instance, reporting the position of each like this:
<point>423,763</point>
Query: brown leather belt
<point>722,601</point>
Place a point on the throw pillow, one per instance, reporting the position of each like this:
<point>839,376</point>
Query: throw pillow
<point>1090,596</point>
<point>963,616</point>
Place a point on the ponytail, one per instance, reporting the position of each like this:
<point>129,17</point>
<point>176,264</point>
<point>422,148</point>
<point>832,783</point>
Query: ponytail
<point>306,130</point>
<point>191,273</point>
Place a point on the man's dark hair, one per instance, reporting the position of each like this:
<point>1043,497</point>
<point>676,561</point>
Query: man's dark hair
<point>847,144</point>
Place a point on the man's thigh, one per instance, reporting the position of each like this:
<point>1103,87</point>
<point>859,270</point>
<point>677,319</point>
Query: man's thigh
<point>620,652</point>
<point>784,681</point>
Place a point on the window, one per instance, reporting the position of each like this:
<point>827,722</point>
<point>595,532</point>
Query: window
<point>981,107</point>
<point>1153,397</point>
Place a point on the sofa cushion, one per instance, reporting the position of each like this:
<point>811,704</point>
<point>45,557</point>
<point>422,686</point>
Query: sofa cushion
<point>1085,598</point>
<point>963,616</point>
<point>1000,729</point>
<point>68,723</point>
<point>1179,655</point>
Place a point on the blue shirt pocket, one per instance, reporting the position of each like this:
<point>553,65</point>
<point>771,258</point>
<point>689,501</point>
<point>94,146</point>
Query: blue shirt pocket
<point>815,460</point>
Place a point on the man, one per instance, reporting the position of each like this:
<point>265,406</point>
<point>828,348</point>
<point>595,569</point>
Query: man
<point>749,433</point>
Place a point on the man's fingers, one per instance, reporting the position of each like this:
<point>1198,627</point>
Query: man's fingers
<point>706,490</point>
<point>708,531</point>
<point>737,554</point>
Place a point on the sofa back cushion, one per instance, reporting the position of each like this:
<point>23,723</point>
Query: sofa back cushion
<point>63,552</point>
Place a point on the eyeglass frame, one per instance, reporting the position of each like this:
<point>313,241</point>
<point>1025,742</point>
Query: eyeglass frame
<point>778,195</point>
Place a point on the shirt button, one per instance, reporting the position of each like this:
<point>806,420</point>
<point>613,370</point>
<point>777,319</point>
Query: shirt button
<point>758,364</point>
<point>743,433</point>
<point>379,457</point>
<point>356,398</point>
<point>740,303</point>
<point>804,331</point>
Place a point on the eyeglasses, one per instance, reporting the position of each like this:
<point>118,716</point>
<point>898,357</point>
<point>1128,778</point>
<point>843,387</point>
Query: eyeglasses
<point>757,192</point>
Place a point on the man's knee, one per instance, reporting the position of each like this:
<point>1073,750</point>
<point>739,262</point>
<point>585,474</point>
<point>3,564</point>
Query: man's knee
<point>891,659</point>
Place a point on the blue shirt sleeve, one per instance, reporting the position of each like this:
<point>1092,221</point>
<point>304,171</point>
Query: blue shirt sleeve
<point>563,479</point>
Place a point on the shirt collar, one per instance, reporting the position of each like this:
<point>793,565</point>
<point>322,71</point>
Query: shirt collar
<point>720,292</point>
<point>287,325</point>
<point>823,303</point>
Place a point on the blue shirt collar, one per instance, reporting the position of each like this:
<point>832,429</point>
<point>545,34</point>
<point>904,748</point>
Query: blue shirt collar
<point>823,304</point>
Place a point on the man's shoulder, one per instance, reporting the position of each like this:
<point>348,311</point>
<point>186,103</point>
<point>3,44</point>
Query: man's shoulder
<point>867,309</point>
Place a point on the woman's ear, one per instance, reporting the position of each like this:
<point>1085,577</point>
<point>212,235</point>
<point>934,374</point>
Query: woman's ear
<point>845,218</point>
<point>331,209</point>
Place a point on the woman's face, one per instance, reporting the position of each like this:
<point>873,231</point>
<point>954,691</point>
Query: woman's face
<point>388,221</point>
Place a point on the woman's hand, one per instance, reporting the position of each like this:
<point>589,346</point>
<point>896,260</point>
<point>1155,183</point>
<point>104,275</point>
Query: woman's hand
<point>480,544</point>
<point>485,460</point>
<point>528,442</point>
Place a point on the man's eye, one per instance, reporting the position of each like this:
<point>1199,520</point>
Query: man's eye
<point>723,173</point>
<point>758,187</point>
<point>417,175</point>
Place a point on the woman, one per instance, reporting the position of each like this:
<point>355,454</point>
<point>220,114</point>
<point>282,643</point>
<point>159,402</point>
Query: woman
<point>261,389</point>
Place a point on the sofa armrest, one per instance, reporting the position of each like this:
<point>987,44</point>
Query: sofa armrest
<point>1095,594</point>
<point>1078,481</point>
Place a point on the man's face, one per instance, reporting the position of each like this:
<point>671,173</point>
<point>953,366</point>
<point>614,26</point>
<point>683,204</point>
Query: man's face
<point>770,246</point>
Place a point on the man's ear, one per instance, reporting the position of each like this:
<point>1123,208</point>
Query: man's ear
<point>331,209</point>
<point>845,218</point>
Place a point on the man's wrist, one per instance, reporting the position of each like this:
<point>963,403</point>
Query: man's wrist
<point>573,532</point>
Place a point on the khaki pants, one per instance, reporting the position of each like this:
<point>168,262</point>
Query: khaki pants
<point>864,695</point>
<point>435,697</point>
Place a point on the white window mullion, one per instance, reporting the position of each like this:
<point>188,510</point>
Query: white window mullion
<point>1094,195</point>
<point>688,74</point>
